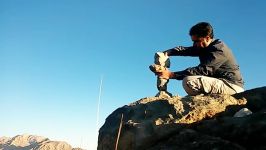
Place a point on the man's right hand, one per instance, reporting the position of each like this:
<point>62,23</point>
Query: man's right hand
<point>165,74</point>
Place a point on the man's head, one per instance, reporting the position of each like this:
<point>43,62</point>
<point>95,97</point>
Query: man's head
<point>201,34</point>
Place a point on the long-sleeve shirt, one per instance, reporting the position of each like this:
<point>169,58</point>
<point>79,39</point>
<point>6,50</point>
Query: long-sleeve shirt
<point>216,60</point>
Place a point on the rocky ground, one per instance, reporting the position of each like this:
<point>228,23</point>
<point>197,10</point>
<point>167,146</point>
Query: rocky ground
<point>193,122</point>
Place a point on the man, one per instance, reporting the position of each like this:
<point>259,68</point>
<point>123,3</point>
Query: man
<point>217,72</point>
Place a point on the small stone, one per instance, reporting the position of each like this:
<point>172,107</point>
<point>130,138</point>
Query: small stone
<point>243,112</point>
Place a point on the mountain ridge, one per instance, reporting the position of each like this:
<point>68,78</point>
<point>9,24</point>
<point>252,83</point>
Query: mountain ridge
<point>32,142</point>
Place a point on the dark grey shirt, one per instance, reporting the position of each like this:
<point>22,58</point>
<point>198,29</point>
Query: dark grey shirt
<point>216,61</point>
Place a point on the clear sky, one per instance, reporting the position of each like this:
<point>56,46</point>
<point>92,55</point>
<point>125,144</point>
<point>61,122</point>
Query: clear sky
<point>54,52</point>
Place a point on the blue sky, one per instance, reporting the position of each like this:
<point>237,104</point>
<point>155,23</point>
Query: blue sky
<point>54,52</point>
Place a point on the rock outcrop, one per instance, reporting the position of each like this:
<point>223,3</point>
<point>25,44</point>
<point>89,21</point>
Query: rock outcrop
<point>191,122</point>
<point>31,142</point>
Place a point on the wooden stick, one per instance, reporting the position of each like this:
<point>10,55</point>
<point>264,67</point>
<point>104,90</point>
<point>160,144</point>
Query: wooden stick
<point>119,131</point>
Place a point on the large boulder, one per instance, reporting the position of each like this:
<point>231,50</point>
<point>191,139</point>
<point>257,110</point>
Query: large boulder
<point>191,122</point>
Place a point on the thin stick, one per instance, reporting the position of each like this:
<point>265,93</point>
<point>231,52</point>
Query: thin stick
<point>98,108</point>
<point>119,131</point>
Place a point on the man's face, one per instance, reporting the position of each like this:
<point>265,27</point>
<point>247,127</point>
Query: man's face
<point>200,42</point>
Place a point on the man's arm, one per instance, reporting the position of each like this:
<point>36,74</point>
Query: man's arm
<point>183,51</point>
<point>213,62</point>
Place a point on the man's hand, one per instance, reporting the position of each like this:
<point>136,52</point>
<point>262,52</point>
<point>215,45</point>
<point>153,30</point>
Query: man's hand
<point>166,54</point>
<point>165,74</point>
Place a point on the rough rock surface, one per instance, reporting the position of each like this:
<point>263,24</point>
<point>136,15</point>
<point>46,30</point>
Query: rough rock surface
<point>191,122</point>
<point>31,142</point>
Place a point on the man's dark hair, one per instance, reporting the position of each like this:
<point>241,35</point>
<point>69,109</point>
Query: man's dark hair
<point>201,29</point>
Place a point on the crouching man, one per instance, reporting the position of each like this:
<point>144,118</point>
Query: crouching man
<point>217,73</point>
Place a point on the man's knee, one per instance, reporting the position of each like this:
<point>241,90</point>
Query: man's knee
<point>192,85</point>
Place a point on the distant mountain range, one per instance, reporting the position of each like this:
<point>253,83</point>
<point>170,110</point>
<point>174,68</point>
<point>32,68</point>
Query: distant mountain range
<point>33,142</point>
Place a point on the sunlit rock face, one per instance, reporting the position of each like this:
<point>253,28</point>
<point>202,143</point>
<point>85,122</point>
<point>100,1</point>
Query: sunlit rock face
<point>191,122</point>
